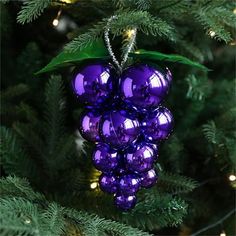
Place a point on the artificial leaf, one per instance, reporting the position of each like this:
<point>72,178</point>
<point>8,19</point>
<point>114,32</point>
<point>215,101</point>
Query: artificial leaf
<point>158,56</point>
<point>96,50</point>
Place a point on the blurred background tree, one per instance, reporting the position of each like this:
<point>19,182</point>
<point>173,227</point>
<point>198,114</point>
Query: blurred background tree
<point>48,184</point>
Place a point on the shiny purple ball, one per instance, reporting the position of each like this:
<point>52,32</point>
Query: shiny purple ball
<point>89,126</point>
<point>158,125</point>
<point>140,157</point>
<point>144,86</point>
<point>128,184</point>
<point>118,129</point>
<point>125,202</point>
<point>92,83</point>
<point>108,183</point>
<point>105,158</point>
<point>148,179</point>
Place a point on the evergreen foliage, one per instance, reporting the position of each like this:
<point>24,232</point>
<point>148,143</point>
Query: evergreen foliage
<point>47,169</point>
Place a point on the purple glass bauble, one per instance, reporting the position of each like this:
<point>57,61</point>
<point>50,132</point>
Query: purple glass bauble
<point>144,86</point>
<point>140,157</point>
<point>89,126</point>
<point>92,83</point>
<point>118,129</point>
<point>148,179</point>
<point>129,184</point>
<point>125,202</point>
<point>105,158</point>
<point>108,183</point>
<point>158,125</point>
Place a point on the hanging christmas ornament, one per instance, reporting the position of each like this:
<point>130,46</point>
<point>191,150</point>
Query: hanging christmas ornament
<point>118,129</point>
<point>144,86</point>
<point>124,121</point>
<point>158,125</point>
<point>89,125</point>
<point>92,83</point>
<point>125,202</point>
<point>105,158</point>
<point>140,157</point>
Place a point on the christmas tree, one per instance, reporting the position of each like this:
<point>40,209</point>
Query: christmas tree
<point>49,185</point>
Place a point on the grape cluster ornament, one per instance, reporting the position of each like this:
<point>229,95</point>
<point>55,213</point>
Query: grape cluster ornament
<point>126,121</point>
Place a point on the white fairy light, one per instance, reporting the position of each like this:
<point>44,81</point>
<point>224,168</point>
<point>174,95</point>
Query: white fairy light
<point>223,233</point>
<point>93,185</point>
<point>232,178</point>
<point>55,22</point>
<point>212,33</point>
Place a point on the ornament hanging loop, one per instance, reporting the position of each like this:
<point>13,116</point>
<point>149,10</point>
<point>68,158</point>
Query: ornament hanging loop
<point>130,45</point>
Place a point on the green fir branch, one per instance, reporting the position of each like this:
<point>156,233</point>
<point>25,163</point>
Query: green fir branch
<point>31,10</point>
<point>54,113</point>
<point>210,132</point>
<point>176,183</point>
<point>13,157</point>
<point>13,186</point>
<point>198,88</point>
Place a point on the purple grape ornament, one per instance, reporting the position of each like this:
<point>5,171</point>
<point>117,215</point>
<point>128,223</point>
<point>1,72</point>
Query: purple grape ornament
<point>140,157</point>
<point>108,183</point>
<point>118,129</point>
<point>92,83</point>
<point>125,202</point>
<point>89,126</point>
<point>129,184</point>
<point>148,179</point>
<point>158,125</point>
<point>105,158</point>
<point>144,86</point>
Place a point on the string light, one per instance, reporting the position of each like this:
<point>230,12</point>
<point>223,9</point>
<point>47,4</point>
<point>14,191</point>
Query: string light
<point>223,233</point>
<point>233,43</point>
<point>56,20</point>
<point>67,1</point>
<point>212,33</point>
<point>93,185</point>
<point>27,221</point>
<point>232,178</point>
<point>234,11</point>
<point>130,33</point>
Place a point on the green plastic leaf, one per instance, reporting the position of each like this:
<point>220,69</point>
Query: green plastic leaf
<point>158,56</point>
<point>96,50</point>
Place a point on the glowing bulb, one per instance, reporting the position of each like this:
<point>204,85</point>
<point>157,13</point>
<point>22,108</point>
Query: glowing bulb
<point>234,11</point>
<point>93,185</point>
<point>55,22</point>
<point>212,33</point>
<point>223,233</point>
<point>232,178</point>
<point>130,33</point>
<point>67,1</point>
<point>233,43</point>
<point>27,221</point>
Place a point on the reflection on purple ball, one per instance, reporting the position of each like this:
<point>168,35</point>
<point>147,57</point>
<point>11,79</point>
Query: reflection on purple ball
<point>168,75</point>
<point>148,179</point>
<point>125,202</point>
<point>92,83</point>
<point>144,86</point>
<point>105,158</point>
<point>118,129</point>
<point>158,125</point>
<point>89,126</point>
<point>129,184</point>
<point>140,157</point>
<point>108,183</point>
